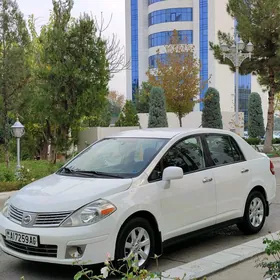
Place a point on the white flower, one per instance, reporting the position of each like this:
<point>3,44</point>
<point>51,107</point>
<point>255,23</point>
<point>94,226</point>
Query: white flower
<point>105,272</point>
<point>27,170</point>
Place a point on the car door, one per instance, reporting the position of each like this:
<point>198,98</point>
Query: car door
<point>231,173</point>
<point>189,203</point>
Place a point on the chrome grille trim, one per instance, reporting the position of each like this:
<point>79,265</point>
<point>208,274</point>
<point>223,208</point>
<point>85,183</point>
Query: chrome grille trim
<point>15,214</point>
<point>41,219</point>
<point>51,219</point>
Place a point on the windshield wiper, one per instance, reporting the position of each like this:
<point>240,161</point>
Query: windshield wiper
<point>67,170</point>
<point>97,173</point>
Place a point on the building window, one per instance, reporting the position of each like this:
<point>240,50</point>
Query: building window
<point>154,1</point>
<point>169,15</point>
<point>154,58</point>
<point>134,47</point>
<point>164,38</point>
<point>163,57</point>
<point>203,16</point>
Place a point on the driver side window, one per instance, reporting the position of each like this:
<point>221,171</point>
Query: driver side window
<point>187,154</point>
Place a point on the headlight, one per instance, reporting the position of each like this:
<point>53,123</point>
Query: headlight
<point>90,214</point>
<point>5,210</point>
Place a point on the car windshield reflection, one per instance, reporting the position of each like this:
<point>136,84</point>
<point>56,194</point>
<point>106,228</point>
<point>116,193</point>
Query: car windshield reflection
<point>115,158</point>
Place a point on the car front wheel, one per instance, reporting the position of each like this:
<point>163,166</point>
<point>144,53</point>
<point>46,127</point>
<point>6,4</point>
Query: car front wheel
<point>254,215</point>
<point>136,241</point>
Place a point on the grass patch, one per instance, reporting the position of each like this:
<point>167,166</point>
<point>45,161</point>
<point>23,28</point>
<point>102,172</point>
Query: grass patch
<point>37,170</point>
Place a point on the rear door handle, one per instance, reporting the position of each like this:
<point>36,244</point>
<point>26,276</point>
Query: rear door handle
<point>244,170</point>
<point>207,180</point>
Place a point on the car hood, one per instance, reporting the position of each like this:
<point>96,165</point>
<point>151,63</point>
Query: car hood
<point>57,193</point>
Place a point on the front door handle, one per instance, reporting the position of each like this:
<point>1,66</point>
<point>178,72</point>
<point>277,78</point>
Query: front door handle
<point>244,170</point>
<point>207,180</point>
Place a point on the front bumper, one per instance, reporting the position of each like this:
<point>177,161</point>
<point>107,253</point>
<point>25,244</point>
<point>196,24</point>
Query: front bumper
<point>97,240</point>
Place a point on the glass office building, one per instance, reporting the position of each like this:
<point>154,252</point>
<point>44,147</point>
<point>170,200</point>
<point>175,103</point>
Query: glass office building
<point>149,26</point>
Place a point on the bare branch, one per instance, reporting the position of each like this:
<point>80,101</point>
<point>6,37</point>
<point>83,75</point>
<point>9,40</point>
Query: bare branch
<point>115,52</point>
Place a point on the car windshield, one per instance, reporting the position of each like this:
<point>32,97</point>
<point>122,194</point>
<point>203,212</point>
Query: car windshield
<point>115,157</point>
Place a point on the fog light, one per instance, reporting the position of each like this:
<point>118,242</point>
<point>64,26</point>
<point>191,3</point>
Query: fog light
<point>75,252</point>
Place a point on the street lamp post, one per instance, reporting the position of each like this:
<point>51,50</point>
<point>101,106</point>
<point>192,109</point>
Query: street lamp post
<point>236,54</point>
<point>18,132</point>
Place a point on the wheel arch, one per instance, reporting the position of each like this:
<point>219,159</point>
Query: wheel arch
<point>260,189</point>
<point>153,222</point>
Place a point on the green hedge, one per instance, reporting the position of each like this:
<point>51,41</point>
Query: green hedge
<point>9,186</point>
<point>253,141</point>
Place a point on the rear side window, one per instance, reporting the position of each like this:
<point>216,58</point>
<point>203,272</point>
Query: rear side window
<point>223,149</point>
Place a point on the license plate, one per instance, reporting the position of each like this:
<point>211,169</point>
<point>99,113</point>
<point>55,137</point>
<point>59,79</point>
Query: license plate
<point>22,238</point>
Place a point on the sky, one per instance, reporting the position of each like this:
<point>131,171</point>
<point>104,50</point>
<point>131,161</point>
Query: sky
<point>41,10</point>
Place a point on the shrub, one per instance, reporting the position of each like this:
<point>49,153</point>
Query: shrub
<point>128,271</point>
<point>7,175</point>
<point>255,119</point>
<point>276,141</point>
<point>157,112</point>
<point>9,186</point>
<point>272,249</point>
<point>253,141</point>
<point>25,176</point>
<point>128,116</point>
<point>211,113</point>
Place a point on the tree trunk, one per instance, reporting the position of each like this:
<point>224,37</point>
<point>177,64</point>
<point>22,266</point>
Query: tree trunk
<point>270,115</point>
<point>180,120</point>
<point>44,151</point>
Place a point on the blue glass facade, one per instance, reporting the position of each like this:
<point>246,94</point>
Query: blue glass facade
<point>153,59</point>
<point>150,2</point>
<point>203,37</point>
<point>134,46</point>
<point>164,38</point>
<point>171,15</point>
<point>244,89</point>
<point>163,58</point>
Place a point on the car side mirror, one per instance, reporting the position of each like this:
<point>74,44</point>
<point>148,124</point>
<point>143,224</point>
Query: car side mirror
<point>172,173</point>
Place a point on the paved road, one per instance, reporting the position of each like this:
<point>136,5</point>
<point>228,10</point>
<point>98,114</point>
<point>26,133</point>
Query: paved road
<point>13,269</point>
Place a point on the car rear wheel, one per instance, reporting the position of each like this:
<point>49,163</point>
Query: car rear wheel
<point>254,215</point>
<point>136,241</point>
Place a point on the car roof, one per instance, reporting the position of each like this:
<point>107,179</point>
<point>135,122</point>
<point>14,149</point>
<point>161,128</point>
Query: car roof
<point>166,133</point>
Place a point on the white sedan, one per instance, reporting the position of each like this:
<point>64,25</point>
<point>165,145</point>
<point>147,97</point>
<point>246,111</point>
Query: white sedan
<point>135,192</point>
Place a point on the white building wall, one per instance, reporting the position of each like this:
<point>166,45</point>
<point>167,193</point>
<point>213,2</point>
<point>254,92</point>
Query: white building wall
<point>221,77</point>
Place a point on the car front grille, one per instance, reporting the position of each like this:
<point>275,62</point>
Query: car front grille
<point>15,214</point>
<point>49,251</point>
<point>41,219</point>
<point>53,219</point>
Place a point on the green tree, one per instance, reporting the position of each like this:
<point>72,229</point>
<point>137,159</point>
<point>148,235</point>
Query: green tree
<point>211,114</point>
<point>142,98</point>
<point>73,75</point>
<point>14,68</point>
<point>178,75</point>
<point>256,122</point>
<point>103,119</point>
<point>128,116</point>
<point>157,112</point>
<point>258,22</point>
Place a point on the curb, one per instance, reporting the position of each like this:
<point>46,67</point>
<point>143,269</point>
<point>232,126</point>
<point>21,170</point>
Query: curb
<point>275,159</point>
<point>219,261</point>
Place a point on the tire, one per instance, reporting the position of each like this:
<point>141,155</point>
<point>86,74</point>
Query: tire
<point>253,222</point>
<point>141,227</point>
